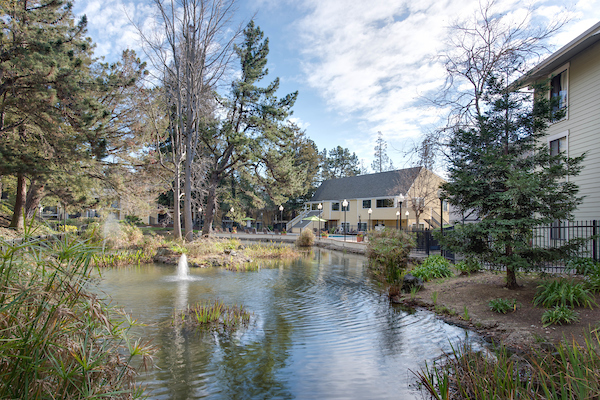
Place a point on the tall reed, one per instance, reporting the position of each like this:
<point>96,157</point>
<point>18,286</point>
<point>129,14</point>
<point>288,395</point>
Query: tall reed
<point>59,340</point>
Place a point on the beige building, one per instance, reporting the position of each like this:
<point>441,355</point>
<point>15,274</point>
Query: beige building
<point>402,198</point>
<point>574,74</point>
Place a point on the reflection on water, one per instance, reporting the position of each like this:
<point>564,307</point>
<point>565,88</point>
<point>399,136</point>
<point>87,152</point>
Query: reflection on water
<point>321,329</point>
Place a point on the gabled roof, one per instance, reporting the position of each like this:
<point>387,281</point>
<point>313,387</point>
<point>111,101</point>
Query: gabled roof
<point>562,56</point>
<point>383,184</point>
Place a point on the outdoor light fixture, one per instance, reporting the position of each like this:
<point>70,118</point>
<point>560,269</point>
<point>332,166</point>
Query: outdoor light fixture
<point>370,212</point>
<point>406,219</point>
<point>281,209</point>
<point>231,211</point>
<point>200,214</point>
<point>440,194</point>
<point>397,217</point>
<point>320,207</point>
<point>345,205</point>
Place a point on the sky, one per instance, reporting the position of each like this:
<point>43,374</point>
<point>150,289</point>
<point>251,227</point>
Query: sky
<point>360,66</point>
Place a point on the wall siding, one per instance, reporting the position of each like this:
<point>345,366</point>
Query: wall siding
<point>583,124</point>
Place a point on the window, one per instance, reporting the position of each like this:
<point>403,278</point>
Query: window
<point>558,146</point>
<point>445,205</point>
<point>347,208</point>
<point>335,206</point>
<point>362,226</point>
<point>366,203</point>
<point>384,203</point>
<point>314,206</point>
<point>559,89</point>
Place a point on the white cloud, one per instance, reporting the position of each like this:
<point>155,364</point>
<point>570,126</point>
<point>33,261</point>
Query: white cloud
<point>298,122</point>
<point>375,60</point>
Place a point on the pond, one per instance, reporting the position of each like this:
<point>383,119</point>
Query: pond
<point>321,329</point>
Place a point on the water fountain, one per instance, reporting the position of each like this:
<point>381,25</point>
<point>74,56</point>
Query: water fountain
<point>183,269</point>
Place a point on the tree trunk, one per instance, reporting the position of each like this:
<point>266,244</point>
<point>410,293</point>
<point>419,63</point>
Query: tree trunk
<point>210,204</point>
<point>187,202</point>
<point>511,279</point>
<point>17,219</point>
<point>35,194</point>
<point>177,205</point>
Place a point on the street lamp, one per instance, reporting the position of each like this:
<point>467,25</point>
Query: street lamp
<point>407,220</point>
<point>370,212</point>
<point>397,218</point>
<point>345,205</point>
<point>281,210</point>
<point>440,194</point>
<point>231,231</point>
<point>320,207</point>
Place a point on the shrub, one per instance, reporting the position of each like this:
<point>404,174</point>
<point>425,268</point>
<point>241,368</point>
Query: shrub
<point>502,306</point>
<point>212,315</point>
<point>563,292</point>
<point>178,248</point>
<point>432,268</point>
<point>59,340</point>
<point>133,219</point>
<point>306,238</point>
<point>66,228</point>
<point>559,315</point>
<point>583,266</point>
<point>388,252</point>
<point>468,266</point>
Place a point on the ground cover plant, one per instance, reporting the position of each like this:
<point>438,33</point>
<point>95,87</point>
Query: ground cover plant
<point>502,306</point>
<point>58,339</point>
<point>572,371</point>
<point>563,292</point>
<point>433,267</point>
<point>559,315</point>
<point>468,266</point>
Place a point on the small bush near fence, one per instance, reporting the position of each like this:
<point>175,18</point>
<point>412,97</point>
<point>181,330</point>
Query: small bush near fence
<point>388,252</point>
<point>432,268</point>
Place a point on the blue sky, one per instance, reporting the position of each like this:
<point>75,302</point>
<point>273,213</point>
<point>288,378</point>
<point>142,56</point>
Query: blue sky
<point>360,66</point>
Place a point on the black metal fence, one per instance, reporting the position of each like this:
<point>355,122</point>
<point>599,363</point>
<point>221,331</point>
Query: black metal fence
<point>546,237</point>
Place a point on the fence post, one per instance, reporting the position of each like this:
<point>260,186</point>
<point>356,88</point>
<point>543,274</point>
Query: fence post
<point>594,241</point>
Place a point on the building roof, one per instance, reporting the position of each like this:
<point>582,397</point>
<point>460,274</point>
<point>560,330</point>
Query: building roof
<point>562,56</point>
<point>383,184</point>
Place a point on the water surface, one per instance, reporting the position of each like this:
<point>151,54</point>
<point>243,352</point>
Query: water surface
<point>321,330</point>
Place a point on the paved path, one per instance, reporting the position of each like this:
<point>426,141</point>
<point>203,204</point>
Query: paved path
<point>350,245</point>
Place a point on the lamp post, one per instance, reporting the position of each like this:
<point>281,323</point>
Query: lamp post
<point>397,218</point>
<point>200,215</point>
<point>440,194</point>
<point>370,212</point>
<point>231,231</point>
<point>320,207</point>
<point>407,220</point>
<point>281,210</point>
<point>345,205</point>
<point>358,223</point>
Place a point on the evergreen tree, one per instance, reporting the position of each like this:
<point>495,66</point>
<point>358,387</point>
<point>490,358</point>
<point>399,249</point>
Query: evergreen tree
<point>45,58</point>
<point>254,142</point>
<point>382,161</point>
<point>339,163</point>
<point>501,171</point>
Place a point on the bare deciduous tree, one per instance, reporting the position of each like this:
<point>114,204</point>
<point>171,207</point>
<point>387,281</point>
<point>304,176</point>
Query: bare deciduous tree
<point>192,50</point>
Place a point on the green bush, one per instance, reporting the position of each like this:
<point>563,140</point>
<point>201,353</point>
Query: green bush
<point>133,219</point>
<point>66,228</point>
<point>468,266</point>
<point>59,340</point>
<point>432,268</point>
<point>563,292</point>
<point>559,315</point>
<point>502,306</point>
<point>583,266</point>
<point>306,238</point>
<point>388,252</point>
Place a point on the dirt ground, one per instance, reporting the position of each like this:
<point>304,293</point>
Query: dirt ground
<point>520,329</point>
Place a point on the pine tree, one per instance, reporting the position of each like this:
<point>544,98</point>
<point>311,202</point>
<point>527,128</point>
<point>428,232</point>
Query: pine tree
<point>45,57</point>
<point>382,161</point>
<point>254,142</point>
<point>501,172</point>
